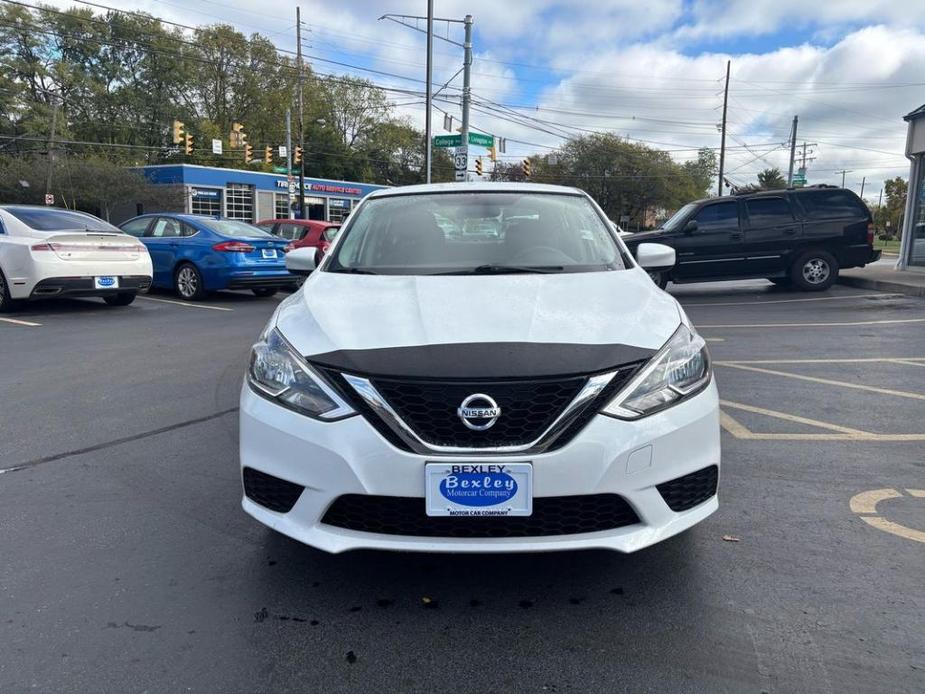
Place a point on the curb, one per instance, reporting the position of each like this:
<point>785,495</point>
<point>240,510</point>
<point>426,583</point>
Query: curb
<point>881,285</point>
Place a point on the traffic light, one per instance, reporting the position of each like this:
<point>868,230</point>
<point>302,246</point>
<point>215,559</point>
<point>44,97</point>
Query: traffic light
<point>238,136</point>
<point>478,166</point>
<point>297,156</point>
<point>493,153</point>
<point>525,165</point>
<point>188,140</point>
<point>178,132</point>
<point>248,154</point>
<point>268,155</point>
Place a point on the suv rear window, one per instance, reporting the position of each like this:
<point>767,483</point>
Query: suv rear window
<point>768,211</point>
<point>826,204</point>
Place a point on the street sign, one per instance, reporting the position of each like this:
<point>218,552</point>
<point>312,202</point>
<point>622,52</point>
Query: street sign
<point>49,199</point>
<point>282,169</point>
<point>216,146</point>
<point>447,140</point>
<point>461,175</point>
<point>283,152</point>
<point>481,140</point>
<point>292,187</point>
<point>461,161</point>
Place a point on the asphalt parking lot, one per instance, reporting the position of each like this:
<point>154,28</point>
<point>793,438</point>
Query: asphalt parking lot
<point>128,566</point>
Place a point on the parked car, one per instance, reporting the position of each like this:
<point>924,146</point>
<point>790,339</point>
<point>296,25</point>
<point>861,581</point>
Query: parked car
<point>194,255</point>
<point>800,237</point>
<point>532,392</point>
<point>302,233</point>
<point>49,252</point>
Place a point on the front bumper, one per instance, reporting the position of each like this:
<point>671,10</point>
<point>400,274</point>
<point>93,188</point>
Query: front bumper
<point>610,456</point>
<point>256,280</point>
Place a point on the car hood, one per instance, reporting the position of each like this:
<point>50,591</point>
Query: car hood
<point>654,236</point>
<point>341,313</point>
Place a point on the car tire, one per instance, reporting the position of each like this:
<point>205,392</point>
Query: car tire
<point>814,271</point>
<point>187,282</point>
<point>660,278</point>
<point>120,299</point>
<point>6,303</point>
<point>264,291</point>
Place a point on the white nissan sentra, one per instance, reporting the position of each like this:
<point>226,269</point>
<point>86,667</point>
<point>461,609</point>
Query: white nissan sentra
<point>479,368</point>
<point>48,252</point>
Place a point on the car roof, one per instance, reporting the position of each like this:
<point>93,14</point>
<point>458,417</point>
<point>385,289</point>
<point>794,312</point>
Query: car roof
<point>300,222</point>
<point>475,187</point>
<point>775,191</point>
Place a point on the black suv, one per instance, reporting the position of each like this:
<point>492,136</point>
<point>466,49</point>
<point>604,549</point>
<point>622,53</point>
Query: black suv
<point>798,236</point>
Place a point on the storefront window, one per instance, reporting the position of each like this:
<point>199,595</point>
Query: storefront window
<point>282,206</point>
<point>314,206</point>
<point>239,200</point>
<point>338,209</point>
<point>206,201</point>
<point>917,226</point>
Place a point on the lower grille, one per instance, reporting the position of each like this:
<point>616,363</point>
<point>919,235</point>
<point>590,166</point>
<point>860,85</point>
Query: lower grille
<point>684,493</point>
<point>556,515</point>
<point>269,491</point>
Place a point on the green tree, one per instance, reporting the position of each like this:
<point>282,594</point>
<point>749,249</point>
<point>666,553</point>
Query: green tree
<point>771,179</point>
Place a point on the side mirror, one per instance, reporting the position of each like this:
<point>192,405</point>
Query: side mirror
<point>690,227</point>
<point>301,261</point>
<point>655,256</point>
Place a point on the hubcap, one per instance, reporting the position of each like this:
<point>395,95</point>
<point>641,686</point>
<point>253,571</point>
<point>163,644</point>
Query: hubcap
<point>816,271</point>
<point>187,282</point>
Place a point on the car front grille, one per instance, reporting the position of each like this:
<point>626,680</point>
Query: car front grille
<point>557,515</point>
<point>271,492</point>
<point>529,407</point>
<point>683,493</point>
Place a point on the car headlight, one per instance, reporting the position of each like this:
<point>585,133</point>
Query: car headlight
<point>278,373</point>
<point>679,370</point>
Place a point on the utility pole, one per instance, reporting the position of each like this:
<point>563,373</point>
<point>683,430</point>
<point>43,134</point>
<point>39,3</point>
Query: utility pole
<point>428,116</point>
<point>793,147</point>
<point>288,159</point>
<point>298,38</point>
<point>863,181</point>
<point>467,94</point>
<point>843,177</point>
<point>722,142</point>
<point>51,144</point>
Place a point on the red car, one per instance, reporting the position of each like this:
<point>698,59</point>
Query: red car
<point>302,233</point>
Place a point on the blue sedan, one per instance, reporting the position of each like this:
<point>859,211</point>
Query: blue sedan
<point>193,255</point>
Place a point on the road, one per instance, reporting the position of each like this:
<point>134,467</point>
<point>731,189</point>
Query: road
<point>128,565</point>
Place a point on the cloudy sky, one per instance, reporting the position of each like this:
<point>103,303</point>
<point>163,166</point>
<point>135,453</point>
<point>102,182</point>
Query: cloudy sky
<point>651,71</point>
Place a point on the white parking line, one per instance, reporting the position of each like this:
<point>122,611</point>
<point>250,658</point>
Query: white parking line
<point>830,382</point>
<point>186,304</point>
<point>812,325</point>
<point>20,322</point>
<point>792,301</point>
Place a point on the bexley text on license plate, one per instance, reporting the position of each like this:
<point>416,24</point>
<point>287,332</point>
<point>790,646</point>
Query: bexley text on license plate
<point>479,489</point>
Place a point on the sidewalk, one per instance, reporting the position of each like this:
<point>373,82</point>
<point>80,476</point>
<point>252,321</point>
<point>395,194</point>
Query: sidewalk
<point>881,276</point>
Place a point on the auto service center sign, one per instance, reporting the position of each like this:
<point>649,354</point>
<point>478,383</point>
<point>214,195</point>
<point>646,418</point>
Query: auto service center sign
<point>328,188</point>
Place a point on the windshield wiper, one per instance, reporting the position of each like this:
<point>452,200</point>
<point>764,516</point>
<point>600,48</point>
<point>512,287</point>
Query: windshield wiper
<point>494,269</point>
<point>355,271</point>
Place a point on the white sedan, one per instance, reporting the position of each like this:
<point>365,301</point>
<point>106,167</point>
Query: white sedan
<point>48,252</point>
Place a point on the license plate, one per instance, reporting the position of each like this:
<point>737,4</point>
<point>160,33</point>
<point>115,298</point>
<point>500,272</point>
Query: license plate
<point>479,489</point>
<point>106,282</point>
<point>269,252</point>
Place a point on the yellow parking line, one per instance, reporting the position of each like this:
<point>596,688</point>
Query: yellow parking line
<point>793,301</point>
<point>866,502</point>
<point>733,426</point>
<point>895,528</point>
<point>920,493</point>
<point>20,322</point>
<point>813,325</point>
<point>792,418</point>
<point>186,304</point>
<point>715,339</point>
<point>829,381</point>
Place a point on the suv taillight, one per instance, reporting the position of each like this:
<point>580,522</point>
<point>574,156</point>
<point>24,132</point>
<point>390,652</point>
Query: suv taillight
<point>870,234</point>
<point>233,247</point>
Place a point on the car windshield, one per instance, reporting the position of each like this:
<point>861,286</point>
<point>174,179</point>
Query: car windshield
<point>476,233</point>
<point>675,220</point>
<point>51,219</point>
<point>232,227</point>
